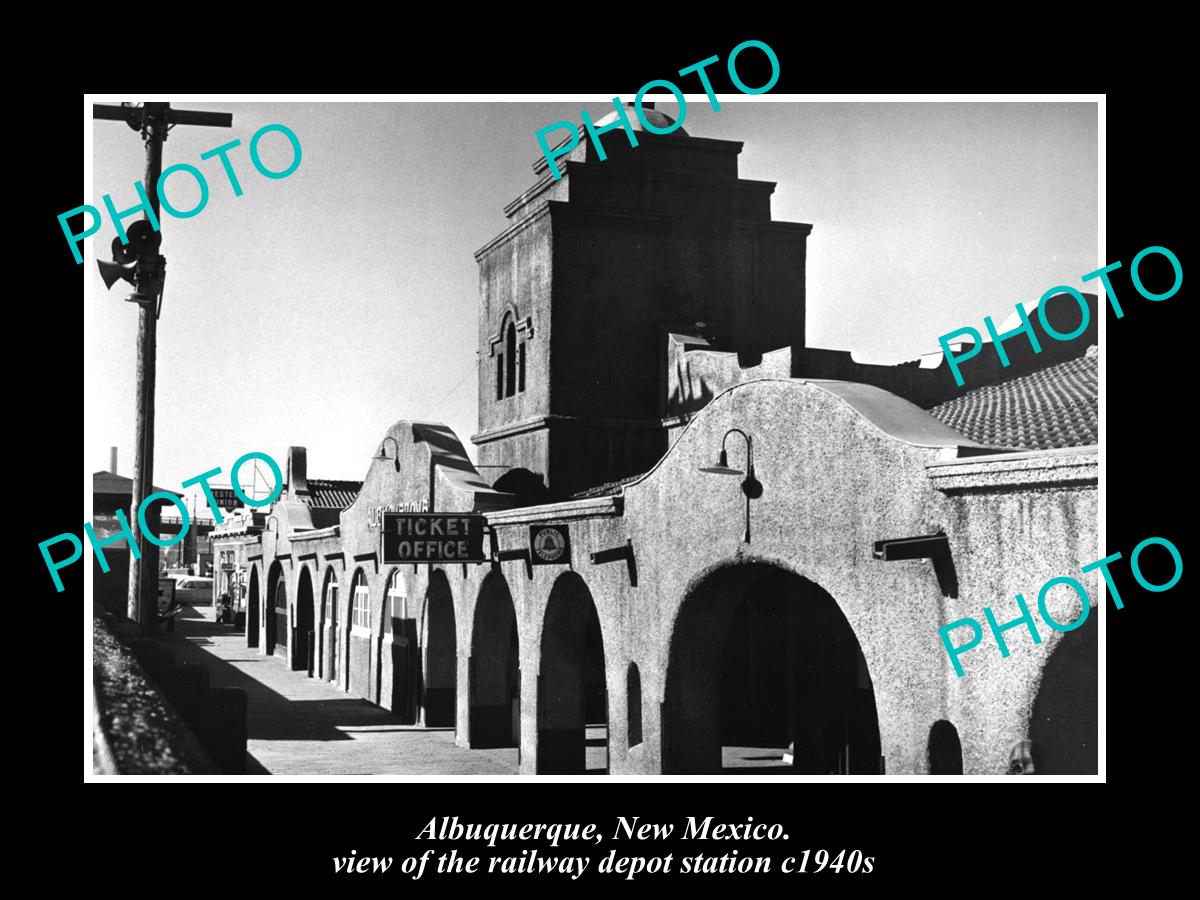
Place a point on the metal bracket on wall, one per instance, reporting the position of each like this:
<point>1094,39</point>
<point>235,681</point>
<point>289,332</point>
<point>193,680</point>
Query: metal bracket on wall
<point>616,554</point>
<point>521,553</point>
<point>372,556</point>
<point>934,547</point>
<point>494,547</point>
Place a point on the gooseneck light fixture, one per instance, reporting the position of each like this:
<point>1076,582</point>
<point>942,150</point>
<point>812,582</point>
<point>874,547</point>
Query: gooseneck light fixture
<point>751,486</point>
<point>382,454</point>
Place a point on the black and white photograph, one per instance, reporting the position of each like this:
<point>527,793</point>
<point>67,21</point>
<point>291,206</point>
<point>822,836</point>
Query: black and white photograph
<point>442,437</point>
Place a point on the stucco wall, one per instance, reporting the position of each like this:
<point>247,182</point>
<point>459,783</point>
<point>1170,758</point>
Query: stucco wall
<point>514,277</point>
<point>836,478</point>
<point>821,511</point>
<point>1012,538</point>
<point>834,483</point>
<point>527,449</point>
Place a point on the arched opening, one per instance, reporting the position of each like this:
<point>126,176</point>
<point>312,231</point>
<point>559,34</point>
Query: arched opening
<point>764,668</point>
<point>302,650</point>
<point>572,694</point>
<point>358,634</point>
<point>329,596</point>
<point>1064,726</point>
<point>633,704</point>
<point>441,653</point>
<point>276,597</point>
<point>395,657</point>
<point>281,618</point>
<point>494,684</point>
<point>945,750</point>
<point>252,609</point>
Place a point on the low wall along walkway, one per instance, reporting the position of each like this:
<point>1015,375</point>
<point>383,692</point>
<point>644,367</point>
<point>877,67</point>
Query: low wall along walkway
<point>156,716</point>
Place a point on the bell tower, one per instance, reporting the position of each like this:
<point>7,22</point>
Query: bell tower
<point>595,269</point>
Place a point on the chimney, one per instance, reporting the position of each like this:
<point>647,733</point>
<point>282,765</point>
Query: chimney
<point>112,460</point>
<point>297,470</point>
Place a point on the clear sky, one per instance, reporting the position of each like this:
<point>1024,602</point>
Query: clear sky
<point>320,308</point>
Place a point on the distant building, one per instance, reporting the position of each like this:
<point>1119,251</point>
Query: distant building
<point>193,552</point>
<point>237,542</point>
<point>632,315</point>
<point>112,492</point>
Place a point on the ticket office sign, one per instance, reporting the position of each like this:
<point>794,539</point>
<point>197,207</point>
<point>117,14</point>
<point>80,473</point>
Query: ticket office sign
<point>432,538</point>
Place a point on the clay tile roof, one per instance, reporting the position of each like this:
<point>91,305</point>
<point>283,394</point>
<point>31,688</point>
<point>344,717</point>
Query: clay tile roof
<point>1051,408</point>
<point>328,494</point>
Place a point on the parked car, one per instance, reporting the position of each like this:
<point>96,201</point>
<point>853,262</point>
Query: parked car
<point>195,590</point>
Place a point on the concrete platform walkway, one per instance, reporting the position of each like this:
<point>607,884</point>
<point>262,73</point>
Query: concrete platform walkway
<point>301,726</point>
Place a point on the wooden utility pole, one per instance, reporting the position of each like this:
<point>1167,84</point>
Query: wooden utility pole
<point>153,120</point>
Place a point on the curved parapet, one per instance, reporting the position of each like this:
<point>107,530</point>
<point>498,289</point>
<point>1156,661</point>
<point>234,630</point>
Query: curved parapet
<point>455,469</point>
<point>416,467</point>
<point>888,414</point>
<point>841,467</point>
<point>900,419</point>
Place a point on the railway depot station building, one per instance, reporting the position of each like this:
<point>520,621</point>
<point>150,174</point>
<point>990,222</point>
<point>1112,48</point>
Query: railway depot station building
<point>632,314</point>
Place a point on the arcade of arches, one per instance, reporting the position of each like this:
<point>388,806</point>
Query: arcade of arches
<point>763,667</point>
<point>620,662</point>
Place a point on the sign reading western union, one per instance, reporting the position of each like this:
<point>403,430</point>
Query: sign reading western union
<point>432,538</point>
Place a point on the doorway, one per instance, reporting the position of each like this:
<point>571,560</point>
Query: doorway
<point>766,675</point>
<point>572,692</point>
<point>252,609</point>
<point>494,668</point>
<point>441,653</point>
<point>302,656</point>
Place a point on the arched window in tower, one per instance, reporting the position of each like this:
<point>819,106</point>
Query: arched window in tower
<point>510,360</point>
<point>509,350</point>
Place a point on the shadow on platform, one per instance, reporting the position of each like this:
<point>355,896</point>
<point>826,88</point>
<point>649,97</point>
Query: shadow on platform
<point>271,715</point>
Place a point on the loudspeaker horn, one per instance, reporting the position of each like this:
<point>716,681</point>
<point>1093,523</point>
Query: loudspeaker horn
<point>113,272</point>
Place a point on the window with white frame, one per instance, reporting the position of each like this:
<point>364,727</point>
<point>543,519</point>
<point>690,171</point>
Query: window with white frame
<point>397,600</point>
<point>361,611</point>
<point>331,593</point>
